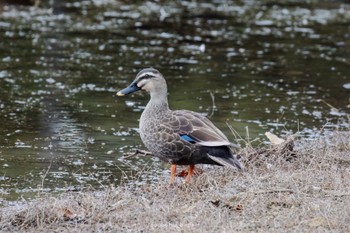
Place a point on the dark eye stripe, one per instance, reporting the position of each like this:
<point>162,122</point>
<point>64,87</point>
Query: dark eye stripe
<point>146,76</point>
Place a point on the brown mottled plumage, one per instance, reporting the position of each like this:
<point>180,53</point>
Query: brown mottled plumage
<point>180,137</point>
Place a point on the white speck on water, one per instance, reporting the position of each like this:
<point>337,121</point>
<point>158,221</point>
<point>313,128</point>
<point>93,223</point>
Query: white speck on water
<point>264,22</point>
<point>305,112</point>
<point>109,162</point>
<point>89,86</point>
<point>335,112</point>
<point>91,140</point>
<point>202,48</point>
<point>6,59</point>
<point>20,144</point>
<point>78,162</point>
<point>60,85</point>
<point>121,133</point>
<point>317,114</point>
<point>3,74</point>
<point>130,103</point>
<point>50,80</point>
<point>347,86</point>
<point>292,92</point>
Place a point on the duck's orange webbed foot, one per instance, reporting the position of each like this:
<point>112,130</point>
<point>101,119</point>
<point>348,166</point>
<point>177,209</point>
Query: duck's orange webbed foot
<point>188,173</point>
<point>184,172</point>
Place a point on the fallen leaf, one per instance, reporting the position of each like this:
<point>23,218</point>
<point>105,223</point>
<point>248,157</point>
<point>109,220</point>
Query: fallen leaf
<point>275,140</point>
<point>67,214</point>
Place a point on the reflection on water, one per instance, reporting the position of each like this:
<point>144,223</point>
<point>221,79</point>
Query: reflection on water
<point>280,67</point>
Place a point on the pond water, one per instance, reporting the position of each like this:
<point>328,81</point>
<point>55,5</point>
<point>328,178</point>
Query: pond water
<point>255,65</point>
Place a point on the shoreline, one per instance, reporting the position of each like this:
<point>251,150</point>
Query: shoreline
<point>309,192</point>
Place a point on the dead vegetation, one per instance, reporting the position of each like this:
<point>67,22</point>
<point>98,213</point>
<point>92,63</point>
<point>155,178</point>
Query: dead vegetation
<point>293,186</point>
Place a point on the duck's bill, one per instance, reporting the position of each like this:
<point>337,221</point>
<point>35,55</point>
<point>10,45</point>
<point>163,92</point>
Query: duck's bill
<point>130,89</point>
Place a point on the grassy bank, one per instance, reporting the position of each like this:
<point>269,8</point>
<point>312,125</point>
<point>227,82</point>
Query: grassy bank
<point>304,190</point>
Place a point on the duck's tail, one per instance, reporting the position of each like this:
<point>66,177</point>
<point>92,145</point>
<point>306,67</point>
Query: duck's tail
<point>227,161</point>
<point>219,155</point>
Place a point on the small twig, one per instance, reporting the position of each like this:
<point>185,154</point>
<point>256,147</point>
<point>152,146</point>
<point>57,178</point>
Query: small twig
<point>235,133</point>
<point>135,152</point>
<point>247,133</point>
<point>274,191</point>
<point>213,107</point>
<point>328,104</point>
<point>36,3</point>
<point>338,195</point>
<point>44,176</point>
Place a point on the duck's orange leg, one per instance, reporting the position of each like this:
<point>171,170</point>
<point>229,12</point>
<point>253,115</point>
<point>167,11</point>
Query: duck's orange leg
<point>172,173</point>
<point>190,173</point>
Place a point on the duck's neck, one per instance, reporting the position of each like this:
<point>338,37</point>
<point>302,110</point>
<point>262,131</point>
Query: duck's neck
<point>158,102</point>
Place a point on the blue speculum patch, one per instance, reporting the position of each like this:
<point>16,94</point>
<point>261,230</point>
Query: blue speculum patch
<point>187,138</point>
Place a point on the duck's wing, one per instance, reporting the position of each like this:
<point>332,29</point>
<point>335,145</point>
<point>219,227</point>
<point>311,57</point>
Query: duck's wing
<point>196,128</point>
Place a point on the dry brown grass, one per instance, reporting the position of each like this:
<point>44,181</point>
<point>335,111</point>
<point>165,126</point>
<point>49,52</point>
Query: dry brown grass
<point>307,192</point>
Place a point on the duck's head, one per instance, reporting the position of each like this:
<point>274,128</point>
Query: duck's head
<point>149,79</point>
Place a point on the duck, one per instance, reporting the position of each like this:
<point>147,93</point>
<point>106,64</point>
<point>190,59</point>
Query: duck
<point>179,137</point>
